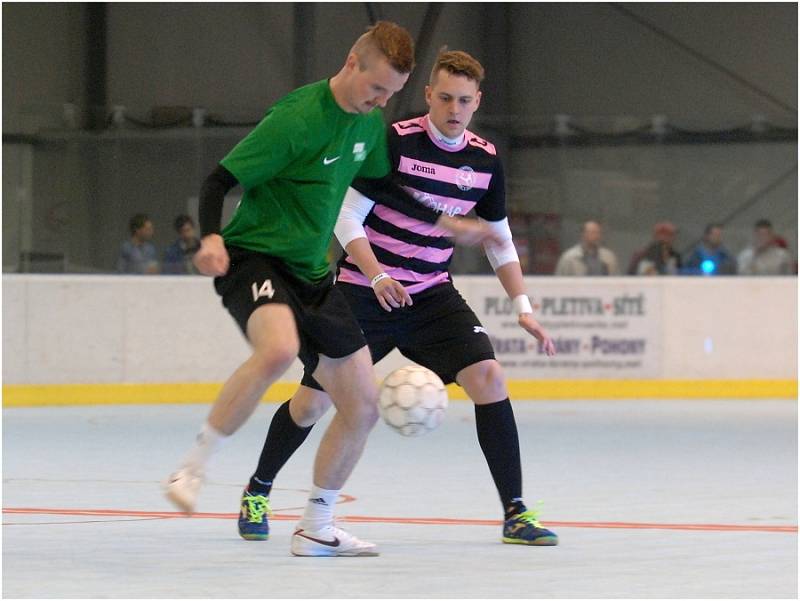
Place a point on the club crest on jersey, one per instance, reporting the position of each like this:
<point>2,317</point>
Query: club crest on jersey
<point>465,178</point>
<point>359,151</point>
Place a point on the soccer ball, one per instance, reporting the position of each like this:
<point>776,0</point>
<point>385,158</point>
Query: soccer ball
<point>412,400</point>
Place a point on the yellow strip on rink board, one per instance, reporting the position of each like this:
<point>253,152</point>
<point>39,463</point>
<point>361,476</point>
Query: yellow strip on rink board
<point>125,394</point>
<point>152,394</point>
<point>651,389</point>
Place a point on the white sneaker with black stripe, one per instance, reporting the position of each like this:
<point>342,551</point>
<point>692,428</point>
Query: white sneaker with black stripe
<point>183,487</point>
<point>330,541</point>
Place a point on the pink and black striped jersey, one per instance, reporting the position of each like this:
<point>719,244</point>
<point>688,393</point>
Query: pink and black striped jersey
<point>425,171</point>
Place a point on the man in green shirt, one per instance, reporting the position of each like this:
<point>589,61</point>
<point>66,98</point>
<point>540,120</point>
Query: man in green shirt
<point>271,270</point>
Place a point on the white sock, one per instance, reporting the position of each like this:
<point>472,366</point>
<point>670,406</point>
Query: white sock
<point>319,509</point>
<point>207,443</point>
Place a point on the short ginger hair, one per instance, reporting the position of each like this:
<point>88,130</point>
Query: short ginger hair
<point>390,40</point>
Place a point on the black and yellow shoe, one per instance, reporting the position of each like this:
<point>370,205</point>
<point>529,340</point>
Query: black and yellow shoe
<point>253,522</point>
<point>524,529</point>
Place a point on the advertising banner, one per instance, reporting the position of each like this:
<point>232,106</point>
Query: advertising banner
<point>601,328</point>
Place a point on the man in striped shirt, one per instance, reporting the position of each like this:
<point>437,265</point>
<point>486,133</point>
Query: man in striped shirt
<point>397,255</point>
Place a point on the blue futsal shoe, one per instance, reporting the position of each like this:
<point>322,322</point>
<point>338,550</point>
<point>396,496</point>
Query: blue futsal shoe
<point>524,529</point>
<point>253,522</point>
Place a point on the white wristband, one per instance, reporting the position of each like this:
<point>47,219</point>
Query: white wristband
<point>522,304</point>
<point>378,278</point>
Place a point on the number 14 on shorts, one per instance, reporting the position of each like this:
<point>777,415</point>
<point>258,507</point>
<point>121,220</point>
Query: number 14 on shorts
<point>266,289</point>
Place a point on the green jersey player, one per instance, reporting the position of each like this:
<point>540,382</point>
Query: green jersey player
<point>271,270</point>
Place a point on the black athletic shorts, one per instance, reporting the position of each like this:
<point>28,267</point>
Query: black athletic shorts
<point>439,331</point>
<point>325,323</point>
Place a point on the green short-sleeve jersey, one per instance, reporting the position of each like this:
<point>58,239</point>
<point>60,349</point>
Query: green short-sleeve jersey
<point>295,167</point>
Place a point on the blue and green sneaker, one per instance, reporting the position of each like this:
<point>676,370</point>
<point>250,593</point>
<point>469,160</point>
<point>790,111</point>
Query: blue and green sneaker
<point>524,529</point>
<point>253,523</point>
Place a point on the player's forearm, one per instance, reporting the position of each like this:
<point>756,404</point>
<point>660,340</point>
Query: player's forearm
<point>361,253</point>
<point>350,223</point>
<point>212,197</point>
<point>510,276</point>
<point>446,222</point>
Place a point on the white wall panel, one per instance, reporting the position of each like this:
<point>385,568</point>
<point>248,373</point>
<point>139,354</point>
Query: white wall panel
<point>99,329</point>
<point>738,328</point>
<point>15,329</point>
<point>75,330</point>
<point>176,330</point>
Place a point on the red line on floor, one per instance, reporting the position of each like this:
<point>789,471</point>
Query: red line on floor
<point>402,520</point>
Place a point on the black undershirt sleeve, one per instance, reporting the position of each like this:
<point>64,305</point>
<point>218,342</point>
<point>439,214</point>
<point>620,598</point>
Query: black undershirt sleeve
<point>212,197</point>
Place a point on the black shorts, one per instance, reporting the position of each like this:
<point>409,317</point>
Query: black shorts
<point>325,324</point>
<point>439,331</point>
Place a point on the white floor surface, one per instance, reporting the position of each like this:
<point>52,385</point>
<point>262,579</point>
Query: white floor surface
<point>651,499</point>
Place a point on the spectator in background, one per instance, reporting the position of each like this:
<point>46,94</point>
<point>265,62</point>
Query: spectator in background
<point>138,255</point>
<point>178,256</point>
<point>588,257</point>
<point>659,257</point>
<point>781,242</point>
<point>765,256</point>
<point>710,257</point>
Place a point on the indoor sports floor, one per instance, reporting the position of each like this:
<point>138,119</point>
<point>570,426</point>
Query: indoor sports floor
<point>677,499</point>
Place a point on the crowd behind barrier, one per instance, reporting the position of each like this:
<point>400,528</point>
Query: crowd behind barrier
<point>767,255</point>
<point>138,255</point>
<point>69,194</point>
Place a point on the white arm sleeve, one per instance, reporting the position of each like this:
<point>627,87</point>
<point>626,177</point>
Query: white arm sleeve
<point>350,224</point>
<point>505,252</point>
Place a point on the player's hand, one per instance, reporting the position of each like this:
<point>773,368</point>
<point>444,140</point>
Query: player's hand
<point>533,327</point>
<point>390,293</point>
<point>212,259</point>
<point>468,232</point>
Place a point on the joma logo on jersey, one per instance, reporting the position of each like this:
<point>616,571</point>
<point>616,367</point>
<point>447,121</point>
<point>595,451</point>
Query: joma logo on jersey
<point>423,169</point>
<point>359,151</point>
<point>266,290</point>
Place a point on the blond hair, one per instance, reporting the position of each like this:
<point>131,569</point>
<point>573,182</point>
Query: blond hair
<point>392,41</point>
<point>457,62</point>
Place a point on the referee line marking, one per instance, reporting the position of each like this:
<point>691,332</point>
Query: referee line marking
<point>403,520</point>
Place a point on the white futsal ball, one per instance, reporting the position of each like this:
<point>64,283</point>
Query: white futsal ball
<point>412,400</point>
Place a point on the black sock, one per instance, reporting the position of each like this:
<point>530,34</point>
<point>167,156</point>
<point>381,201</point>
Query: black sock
<point>497,435</point>
<point>515,507</point>
<point>283,439</point>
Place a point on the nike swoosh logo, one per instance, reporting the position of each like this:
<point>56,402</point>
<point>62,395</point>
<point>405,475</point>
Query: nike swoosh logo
<point>327,161</point>
<point>327,543</point>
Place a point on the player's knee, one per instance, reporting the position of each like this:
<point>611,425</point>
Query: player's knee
<point>274,361</point>
<point>369,414</point>
<point>361,412</point>
<point>494,375</point>
<point>368,403</point>
<point>486,381</point>
<point>318,407</point>
<point>308,409</point>
<point>495,380</point>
